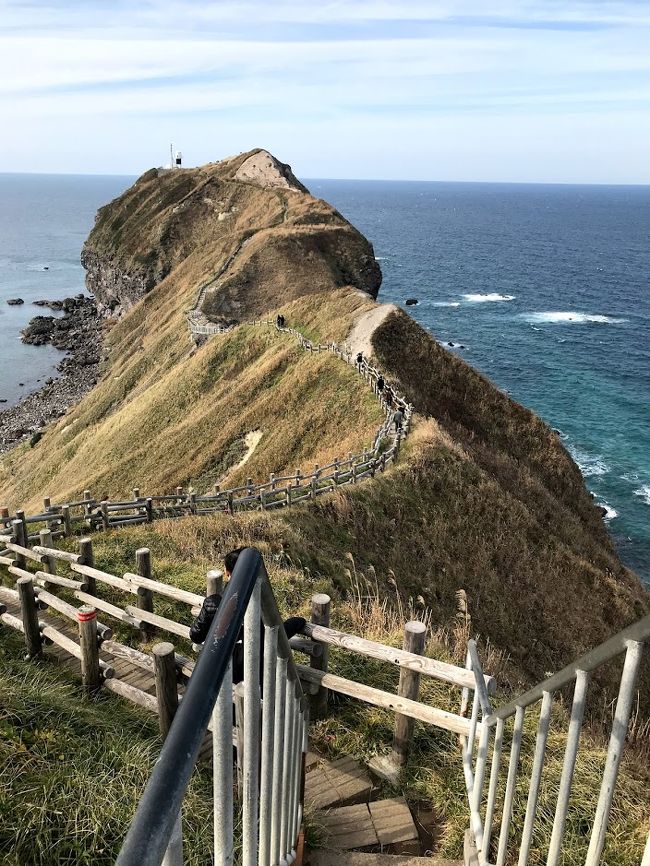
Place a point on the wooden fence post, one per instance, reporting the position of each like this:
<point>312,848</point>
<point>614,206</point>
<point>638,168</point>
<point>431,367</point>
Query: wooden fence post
<point>145,596</point>
<point>192,499</point>
<point>45,540</point>
<point>106,520</point>
<point>179,492</point>
<point>87,498</point>
<point>320,615</point>
<point>47,501</point>
<point>90,670</point>
<point>214,582</point>
<point>24,532</point>
<point>167,697</point>
<point>149,507</point>
<point>29,611</point>
<point>67,522</point>
<point>88,558</point>
<point>409,686</point>
<point>166,690</point>
<point>136,492</point>
<point>17,534</point>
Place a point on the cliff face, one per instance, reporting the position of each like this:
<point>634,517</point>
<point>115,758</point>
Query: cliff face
<point>263,238</point>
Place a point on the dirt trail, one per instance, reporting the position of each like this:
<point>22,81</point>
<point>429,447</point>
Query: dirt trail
<point>359,338</point>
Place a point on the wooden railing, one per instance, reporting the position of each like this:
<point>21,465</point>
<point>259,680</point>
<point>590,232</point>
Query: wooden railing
<point>88,513</point>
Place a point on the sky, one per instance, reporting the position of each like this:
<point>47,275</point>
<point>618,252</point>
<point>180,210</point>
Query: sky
<point>467,90</point>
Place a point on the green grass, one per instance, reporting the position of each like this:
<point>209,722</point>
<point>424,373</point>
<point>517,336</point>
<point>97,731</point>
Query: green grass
<point>76,766</point>
<point>72,769</point>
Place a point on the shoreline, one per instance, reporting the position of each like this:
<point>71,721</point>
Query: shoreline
<point>79,334</point>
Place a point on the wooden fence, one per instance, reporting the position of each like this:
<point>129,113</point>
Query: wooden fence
<point>76,575</point>
<point>88,513</point>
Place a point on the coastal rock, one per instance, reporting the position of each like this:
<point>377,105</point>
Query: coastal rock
<point>411,302</point>
<point>15,302</point>
<point>79,333</point>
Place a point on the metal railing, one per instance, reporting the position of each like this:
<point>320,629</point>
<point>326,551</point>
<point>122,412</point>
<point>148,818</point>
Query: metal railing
<point>274,741</point>
<point>484,808</point>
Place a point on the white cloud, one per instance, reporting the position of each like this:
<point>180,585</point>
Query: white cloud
<point>252,66</point>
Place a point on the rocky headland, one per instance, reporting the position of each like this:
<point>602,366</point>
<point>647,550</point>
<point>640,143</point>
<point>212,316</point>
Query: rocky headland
<point>484,497</point>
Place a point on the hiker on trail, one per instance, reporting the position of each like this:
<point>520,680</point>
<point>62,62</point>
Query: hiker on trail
<point>279,322</point>
<point>380,384</point>
<point>388,396</point>
<point>398,419</point>
<point>359,360</point>
<point>201,625</point>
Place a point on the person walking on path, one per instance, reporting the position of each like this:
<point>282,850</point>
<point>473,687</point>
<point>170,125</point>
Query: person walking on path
<point>201,625</point>
<point>388,396</point>
<point>360,360</point>
<point>279,322</point>
<point>380,384</point>
<point>398,420</point>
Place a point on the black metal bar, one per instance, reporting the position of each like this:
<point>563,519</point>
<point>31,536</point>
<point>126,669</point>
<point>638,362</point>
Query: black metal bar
<point>152,825</point>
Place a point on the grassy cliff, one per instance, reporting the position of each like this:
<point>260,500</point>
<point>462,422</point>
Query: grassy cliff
<point>484,497</point>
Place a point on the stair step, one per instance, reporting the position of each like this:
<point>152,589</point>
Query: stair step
<point>385,824</point>
<point>357,858</point>
<point>335,783</point>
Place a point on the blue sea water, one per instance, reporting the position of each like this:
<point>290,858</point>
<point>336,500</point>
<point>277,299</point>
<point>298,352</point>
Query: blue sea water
<point>44,220</point>
<point>545,287</point>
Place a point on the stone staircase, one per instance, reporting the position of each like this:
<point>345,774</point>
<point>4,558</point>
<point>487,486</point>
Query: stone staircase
<point>358,828</point>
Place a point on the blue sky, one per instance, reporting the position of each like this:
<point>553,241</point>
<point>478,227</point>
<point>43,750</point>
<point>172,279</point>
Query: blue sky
<point>499,90</point>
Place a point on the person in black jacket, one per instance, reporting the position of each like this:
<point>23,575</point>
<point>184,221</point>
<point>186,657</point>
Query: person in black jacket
<point>201,625</point>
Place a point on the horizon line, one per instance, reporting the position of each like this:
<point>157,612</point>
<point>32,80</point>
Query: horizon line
<point>344,179</point>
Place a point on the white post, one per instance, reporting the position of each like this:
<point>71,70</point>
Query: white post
<point>536,776</point>
<point>570,754</point>
<point>268,713</point>
<point>222,773</point>
<point>278,757</point>
<point>287,767</point>
<point>510,785</point>
<point>614,751</point>
<point>494,781</point>
<point>251,726</point>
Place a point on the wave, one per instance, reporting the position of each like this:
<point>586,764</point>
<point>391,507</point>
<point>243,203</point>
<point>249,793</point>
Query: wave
<point>588,464</point>
<point>610,513</point>
<point>446,304</point>
<point>484,299</point>
<point>572,317</point>
<point>644,493</point>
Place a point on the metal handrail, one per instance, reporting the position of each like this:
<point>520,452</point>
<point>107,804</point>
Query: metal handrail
<point>159,806</point>
<point>638,631</point>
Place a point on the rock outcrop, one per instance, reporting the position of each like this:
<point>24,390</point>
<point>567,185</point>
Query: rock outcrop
<point>265,238</point>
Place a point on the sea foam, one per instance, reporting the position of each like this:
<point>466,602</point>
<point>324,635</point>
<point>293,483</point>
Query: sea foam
<point>446,304</point>
<point>588,464</point>
<point>610,513</point>
<point>484,299</point>
<point>644,493</point>
<point>571,317</point>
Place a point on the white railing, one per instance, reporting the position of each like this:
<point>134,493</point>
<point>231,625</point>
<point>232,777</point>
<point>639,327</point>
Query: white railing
<point>483,808</point>
<point>274,739</point>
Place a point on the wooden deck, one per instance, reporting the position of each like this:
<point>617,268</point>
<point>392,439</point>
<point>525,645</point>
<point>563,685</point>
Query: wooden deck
<point>386,825</point>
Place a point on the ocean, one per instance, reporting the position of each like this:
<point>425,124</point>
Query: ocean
<point>543,288</point>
